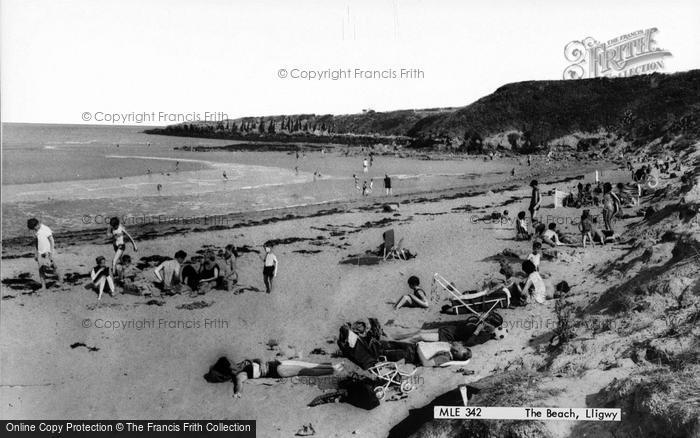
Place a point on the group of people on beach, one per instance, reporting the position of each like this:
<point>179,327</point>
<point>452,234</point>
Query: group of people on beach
<point>197,276</point>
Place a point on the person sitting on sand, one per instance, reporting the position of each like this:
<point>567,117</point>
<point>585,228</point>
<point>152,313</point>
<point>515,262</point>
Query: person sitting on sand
<point>190,274</point>
<point>534,287</point>
<point>45,249</point>
<point>100,277</point>
<point>275,369</point>
<point>521,232</point>
<point>417,299</point>
<point>229,271</point>
<point>124,276</point>
<point>117,233</point>
<point>168,272</point>
<point>550,236</point>
<point>536,254</point>
<point>208,274</point>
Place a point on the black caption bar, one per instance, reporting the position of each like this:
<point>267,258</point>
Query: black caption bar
<point>127,428</point>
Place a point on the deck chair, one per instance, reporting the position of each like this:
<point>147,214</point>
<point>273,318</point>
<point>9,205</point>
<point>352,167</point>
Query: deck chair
<point>480,304</point>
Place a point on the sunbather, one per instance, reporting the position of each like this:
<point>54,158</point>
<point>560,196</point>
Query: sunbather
<point>417,299</point>
<point>259,369</point>
<point>467,333</point>
<point>366,351</point>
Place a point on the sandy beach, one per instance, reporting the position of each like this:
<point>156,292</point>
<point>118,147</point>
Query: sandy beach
<point>141,357</point>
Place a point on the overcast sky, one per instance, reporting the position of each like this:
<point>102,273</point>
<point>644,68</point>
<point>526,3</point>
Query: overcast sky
<point>61,58</point>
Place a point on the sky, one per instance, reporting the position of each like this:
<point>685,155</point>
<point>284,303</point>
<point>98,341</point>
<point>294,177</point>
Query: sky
<point>61,59</point>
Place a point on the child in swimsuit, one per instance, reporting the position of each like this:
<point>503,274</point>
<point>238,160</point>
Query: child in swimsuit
<point>117,233</point>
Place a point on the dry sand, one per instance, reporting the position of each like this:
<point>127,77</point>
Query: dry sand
<point>156,372</point>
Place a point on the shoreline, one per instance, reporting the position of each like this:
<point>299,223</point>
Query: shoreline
<point>16,247</point>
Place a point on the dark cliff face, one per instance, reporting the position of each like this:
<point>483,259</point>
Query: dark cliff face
<point>638,109</point>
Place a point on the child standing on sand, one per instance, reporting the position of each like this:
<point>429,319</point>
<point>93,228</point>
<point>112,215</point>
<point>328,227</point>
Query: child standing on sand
<point>117,232</point>
<point>535,201</point>
<point>270,265</point>
<point>45,247</point>
<point>521,232</point>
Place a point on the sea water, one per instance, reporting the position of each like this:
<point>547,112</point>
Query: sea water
<point>74,177</point>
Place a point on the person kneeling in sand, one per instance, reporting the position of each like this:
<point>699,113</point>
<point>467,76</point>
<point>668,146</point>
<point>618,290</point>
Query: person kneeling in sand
<point>100,277</point>
<point>417,299</point>
<point>259,369</point>
<point>124,276</point>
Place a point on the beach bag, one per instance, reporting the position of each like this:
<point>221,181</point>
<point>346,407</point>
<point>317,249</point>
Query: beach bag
<point>360,392</point>
<point>220,371</point>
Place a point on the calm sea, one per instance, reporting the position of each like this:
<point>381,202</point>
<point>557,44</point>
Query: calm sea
<point>63,174</point>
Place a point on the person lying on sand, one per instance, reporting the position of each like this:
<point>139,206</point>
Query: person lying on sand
<point>418,298</point>
<point>467,334</point>
<point>100,277</point>
<point>366,351</point>
<point>259,369</point>
<point>551,237</point>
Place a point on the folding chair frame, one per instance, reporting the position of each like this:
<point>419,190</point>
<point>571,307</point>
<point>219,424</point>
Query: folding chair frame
<point>439,279</point>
